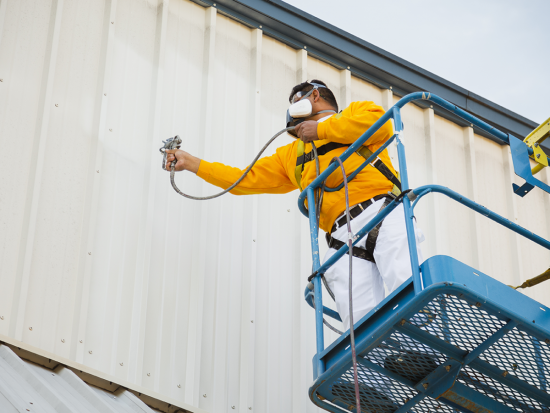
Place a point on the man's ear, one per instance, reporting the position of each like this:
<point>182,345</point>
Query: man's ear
<point>316,95</point>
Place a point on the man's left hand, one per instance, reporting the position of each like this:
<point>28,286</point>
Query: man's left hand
<point>307,131</point>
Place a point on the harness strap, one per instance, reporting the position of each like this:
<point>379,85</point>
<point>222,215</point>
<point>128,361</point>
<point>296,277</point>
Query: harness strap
<point>370,244</point>
<point>301,148</point>
<point>357,252</point>
<point>383,169</point>
<point>366,253</point>
<point>302,158</point>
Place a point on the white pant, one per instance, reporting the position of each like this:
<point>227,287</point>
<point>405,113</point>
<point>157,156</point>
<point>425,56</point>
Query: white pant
<point>392,267</point>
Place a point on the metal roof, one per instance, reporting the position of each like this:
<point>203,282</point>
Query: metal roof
<point>26,386</point>
<point>365,60</point>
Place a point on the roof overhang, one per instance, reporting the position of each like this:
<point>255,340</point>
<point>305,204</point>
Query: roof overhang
<point>344,50</point>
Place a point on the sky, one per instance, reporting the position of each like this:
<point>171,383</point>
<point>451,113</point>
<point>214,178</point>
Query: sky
<point>498,49</point>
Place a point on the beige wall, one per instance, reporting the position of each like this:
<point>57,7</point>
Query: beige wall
<point>199,301</point>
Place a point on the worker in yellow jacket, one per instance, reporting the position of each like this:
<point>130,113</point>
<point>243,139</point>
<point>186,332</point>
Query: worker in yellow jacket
<point>293,167</point>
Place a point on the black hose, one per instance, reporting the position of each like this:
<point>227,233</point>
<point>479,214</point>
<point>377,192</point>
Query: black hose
<point>350,252</point>
<point>204,198</point>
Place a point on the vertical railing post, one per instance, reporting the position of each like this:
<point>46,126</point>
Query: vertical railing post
<point>409,223</point>
<point>540,364</point>
<point>314,235</point>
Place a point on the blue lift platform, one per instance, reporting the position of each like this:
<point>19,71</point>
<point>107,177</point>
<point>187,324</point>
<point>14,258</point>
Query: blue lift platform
<point>451,339</point>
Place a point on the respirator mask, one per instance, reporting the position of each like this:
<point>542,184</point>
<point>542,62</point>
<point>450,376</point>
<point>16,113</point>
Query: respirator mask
<point>301,109</point>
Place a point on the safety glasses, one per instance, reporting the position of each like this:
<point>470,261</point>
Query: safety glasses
<point>301,94</point>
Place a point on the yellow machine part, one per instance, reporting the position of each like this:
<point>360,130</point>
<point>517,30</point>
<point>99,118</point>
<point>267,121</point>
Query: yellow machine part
<point>533,140</point>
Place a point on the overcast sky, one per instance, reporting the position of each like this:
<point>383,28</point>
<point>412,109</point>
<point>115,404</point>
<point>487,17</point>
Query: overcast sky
<point>499,49</point>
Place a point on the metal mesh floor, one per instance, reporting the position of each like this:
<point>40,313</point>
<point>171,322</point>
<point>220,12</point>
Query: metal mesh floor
<point>390,373</point>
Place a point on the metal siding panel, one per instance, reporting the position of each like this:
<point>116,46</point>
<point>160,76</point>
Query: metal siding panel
<point>201,302</point>
<point>50,301</point>
<point>24,27</point>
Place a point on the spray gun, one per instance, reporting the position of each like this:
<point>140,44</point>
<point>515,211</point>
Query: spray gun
<point>170,143</point>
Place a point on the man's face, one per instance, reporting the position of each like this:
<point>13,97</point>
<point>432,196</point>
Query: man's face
<point>311,94</point>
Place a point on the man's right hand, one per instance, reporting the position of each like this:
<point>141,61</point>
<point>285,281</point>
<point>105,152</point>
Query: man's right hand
<point>184,161</point>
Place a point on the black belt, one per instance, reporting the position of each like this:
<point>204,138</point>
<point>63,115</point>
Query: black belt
<point>356,210</point>
<point>366,253</point>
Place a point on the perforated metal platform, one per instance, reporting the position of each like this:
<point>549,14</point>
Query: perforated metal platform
<point>465,343</point>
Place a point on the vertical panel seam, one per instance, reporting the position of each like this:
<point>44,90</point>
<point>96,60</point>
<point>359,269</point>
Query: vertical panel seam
<point>518,275</point>
<point>34,183</point>
<point>431,144</point>
<point>474,193</point>
<point>194,356</point>
<point>94,180</point>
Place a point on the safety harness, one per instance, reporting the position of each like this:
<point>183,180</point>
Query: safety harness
<point>302,158</point>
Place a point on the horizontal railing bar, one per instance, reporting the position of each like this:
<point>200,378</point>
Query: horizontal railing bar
<point>484,211</point>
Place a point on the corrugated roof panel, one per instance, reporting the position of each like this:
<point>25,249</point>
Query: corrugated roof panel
<point>28,387</point>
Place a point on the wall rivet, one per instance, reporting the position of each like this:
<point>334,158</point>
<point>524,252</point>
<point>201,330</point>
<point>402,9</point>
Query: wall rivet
<point>62,340</point>
<point>56,105</point>
<point>391,87</point>
<point>1,80</point>
<point>204,395</point>
<point>30,328</point>
<point>288,210</point>
<point>148,374</point>
<point>349,68</point>
<point>110,130</point>
<point>89,253</point>
<point>90,351</point>
<point>112,22</point>
<point>425,385</point>
<point>80,341</point>
<point>1,317</point>
<point>97,171</point>
<point>305,47</point>
<point>254,240</point>
<point>122,364</point>
<point>260,27</point>
<point>538,156</point>
<point>179,386</point>
<point>252,321</point>
<point>232,407</point>
<point>105,94</point>
<point>250,408</point>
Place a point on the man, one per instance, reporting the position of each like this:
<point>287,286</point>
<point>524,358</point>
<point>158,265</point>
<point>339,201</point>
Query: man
<point>293,166</point>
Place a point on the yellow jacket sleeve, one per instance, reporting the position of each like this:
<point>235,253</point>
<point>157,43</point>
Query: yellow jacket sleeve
<point>346,127</point>
<point>267,176</point>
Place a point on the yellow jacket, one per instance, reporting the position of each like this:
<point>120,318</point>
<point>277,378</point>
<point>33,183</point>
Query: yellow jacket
<point>276,174</point>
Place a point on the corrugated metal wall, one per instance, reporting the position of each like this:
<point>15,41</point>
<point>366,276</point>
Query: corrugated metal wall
<point>103,263</point>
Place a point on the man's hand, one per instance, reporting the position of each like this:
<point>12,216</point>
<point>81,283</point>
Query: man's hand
<point>184,161</point>
<point>307,131</point>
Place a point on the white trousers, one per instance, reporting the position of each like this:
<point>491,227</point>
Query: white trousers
<point>392,267</point>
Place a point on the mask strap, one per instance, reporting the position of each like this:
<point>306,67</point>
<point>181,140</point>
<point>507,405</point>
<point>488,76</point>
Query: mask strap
<point>323,111</point>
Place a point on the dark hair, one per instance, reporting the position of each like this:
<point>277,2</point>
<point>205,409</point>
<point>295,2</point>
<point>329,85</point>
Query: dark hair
<point>324,92</point>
